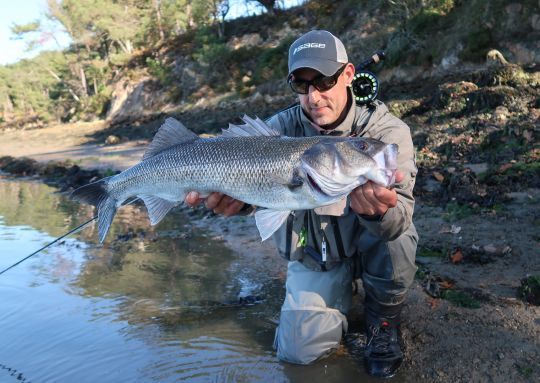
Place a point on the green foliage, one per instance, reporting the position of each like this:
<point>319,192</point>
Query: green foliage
<point>421,273</point>
<point>272,62</point>
<point>525,371</point>
<point>31,87</point>
<point>224,67</point>
<point>109,172</point>
<point>158,70</point>
<point>477,44</point>
<point>455,211</point>
<point>460,298</point>
<point>431,253</point>
<point>529,290</point>
<point>19,30</point>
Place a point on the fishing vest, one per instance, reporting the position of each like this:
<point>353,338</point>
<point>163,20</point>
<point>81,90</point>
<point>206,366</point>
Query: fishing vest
<point>321,238</point>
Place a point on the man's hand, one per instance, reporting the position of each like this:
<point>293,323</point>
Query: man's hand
<point>373,199</point>
<point>218,202</point>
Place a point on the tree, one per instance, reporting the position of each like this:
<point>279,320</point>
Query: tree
<point>269,5</point>
<point>219,10</point>
<point>99,25</point>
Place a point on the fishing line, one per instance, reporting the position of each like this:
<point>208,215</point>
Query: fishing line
<point>78,228</point>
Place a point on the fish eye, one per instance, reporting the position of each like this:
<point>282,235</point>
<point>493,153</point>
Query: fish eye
<point>360,145</point>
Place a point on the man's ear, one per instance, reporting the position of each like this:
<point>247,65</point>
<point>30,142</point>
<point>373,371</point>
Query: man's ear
<point>348,72</point>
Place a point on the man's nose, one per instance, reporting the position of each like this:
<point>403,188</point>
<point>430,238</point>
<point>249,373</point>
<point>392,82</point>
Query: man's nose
<point>313,94</point>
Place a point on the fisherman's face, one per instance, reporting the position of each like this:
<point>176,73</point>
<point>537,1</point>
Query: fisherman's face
<point>324,108</point>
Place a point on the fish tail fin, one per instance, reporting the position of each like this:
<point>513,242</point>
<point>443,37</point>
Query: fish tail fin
<point>97,194</point>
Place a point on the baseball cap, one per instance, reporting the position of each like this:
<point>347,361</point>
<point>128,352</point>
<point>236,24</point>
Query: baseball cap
<point>319,50</point>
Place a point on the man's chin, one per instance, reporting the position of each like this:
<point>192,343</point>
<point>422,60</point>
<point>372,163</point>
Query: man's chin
<point>321,119</point>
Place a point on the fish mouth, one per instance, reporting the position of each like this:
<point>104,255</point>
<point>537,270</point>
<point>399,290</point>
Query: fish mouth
<point>315,186</point>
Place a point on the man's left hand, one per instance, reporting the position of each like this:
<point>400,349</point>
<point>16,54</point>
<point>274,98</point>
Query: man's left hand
<point>372,199</point>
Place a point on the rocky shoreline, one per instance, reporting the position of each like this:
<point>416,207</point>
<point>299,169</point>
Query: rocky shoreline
<point>64,175</point>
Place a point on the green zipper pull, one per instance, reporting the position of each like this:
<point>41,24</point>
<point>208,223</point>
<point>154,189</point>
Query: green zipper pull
<point>302,237</point>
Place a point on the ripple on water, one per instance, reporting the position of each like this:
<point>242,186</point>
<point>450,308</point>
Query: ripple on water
<point>212,358</point>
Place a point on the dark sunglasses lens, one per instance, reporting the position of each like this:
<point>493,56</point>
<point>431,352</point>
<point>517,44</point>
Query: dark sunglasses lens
<point>324,83</point>
<point>299,86</point>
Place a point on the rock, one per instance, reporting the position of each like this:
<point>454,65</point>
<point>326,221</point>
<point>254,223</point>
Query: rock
<point>495,58</point>
<point>525,53</point>
<point>431,185</point>
<point>514,8</point>
<point>257,97</point>
<point>478,168</point>
<point>112,140</point>
<point>452,96</point>
<point>500,114</point>
<point>535,22</point>
<point>452,59</point>
<point>133,100</point>
<point>245,41</point>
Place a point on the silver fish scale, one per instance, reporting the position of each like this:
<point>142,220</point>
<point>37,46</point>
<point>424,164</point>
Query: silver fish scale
<point>252,169</point>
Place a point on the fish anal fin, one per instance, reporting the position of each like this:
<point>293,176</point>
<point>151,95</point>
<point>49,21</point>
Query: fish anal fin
<point>269,221</point>
<point>171,133</point>
<point>157,207</point>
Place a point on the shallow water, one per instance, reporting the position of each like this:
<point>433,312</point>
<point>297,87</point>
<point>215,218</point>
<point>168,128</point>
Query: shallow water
<point>150,305</point>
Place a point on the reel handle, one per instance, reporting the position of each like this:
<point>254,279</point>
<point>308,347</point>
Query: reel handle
<point>376,58</point>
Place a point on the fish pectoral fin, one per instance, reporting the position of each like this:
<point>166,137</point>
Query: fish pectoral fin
<point>157,207</point>
<point>269,221</point>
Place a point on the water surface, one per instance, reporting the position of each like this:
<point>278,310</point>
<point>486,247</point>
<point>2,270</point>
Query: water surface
<point>150,305</point>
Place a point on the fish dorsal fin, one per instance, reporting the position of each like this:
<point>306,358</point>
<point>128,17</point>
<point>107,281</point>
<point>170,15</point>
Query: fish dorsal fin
<point>171,133</point>
<point>252,127</point>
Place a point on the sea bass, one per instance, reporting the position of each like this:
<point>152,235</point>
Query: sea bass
<point>252,163</point>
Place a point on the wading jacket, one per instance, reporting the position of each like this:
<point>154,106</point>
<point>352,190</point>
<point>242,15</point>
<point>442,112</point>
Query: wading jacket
<point>336,228</point>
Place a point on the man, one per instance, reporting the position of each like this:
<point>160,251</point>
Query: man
<point>368,235</point>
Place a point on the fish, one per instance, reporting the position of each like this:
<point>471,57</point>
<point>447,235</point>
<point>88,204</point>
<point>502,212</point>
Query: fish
<point>252,163</point>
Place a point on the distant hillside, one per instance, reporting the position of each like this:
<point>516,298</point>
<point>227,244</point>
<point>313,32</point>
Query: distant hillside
<point>244,71</point>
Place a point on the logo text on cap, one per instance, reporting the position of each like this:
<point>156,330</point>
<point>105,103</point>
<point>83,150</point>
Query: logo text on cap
<point>309,45</point>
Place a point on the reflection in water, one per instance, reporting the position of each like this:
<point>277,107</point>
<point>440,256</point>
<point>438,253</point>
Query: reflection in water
<point>150,305</point>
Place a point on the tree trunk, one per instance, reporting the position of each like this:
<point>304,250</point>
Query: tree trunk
<point>157,6</point>
<point>73,94</point>
<point>83,80</point>
<point>189,16</point>
<point>126,46</point>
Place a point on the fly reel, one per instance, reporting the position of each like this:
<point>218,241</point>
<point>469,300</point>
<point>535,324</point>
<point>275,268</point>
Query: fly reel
<point>365,87</point>
<point>365,84</point>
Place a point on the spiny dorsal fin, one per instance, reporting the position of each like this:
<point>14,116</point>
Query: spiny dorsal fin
<point>251,127</point>
<point>171,133</point>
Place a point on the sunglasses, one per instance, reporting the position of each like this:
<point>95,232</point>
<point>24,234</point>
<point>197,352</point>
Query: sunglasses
<point>322,83</point>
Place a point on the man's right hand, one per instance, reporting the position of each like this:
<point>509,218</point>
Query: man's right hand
<point>218,202</point>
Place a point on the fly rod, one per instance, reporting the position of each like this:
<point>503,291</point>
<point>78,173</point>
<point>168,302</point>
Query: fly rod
<point>78,228</point>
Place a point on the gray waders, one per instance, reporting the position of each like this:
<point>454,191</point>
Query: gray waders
<point>312,319</point>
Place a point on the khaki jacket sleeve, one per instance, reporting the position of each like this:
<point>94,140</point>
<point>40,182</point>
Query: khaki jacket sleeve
<point>392,130</point>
